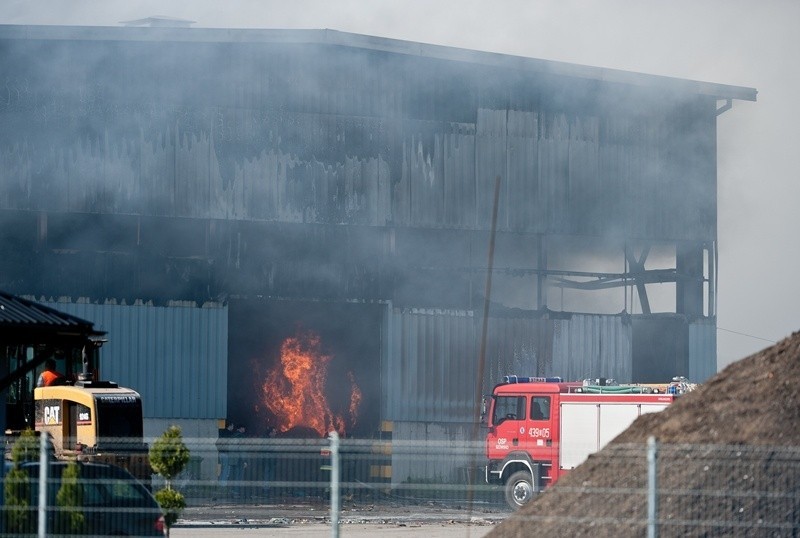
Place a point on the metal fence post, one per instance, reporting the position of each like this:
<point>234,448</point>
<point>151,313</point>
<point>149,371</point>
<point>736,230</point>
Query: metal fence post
<point>652,488</point>
<point>334,437</point>
<point>43,471</point>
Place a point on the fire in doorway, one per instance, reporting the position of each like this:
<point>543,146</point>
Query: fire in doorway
<point>295,389</point>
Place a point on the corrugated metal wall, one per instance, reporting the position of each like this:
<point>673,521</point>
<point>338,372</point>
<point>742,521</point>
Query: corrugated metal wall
<point>578,347</point>
<point>425,452</point>
<point>335,135</point>
<point>552,182</point>
<point>702,349</point>
<point>431,375</point>
<point>587,346</point>
<point>433,359</point>
<point>259,132</point>
<point>175,357</point>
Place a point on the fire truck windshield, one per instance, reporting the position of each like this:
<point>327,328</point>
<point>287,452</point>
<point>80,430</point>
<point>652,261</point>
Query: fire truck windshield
<point>508,408</point>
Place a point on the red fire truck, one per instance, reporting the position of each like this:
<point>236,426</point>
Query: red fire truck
<point>540,428</point>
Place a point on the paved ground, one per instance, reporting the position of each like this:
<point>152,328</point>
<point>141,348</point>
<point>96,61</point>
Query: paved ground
<point>313,519</point>
<point>316,530</point>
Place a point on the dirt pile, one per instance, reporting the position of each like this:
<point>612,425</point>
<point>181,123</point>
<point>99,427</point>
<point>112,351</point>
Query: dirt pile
<point>728,463</point>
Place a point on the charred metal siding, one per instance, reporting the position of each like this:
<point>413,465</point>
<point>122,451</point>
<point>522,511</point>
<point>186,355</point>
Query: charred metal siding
<point>571,347</point>
<point>175,357</point>
<point>200,165</point>
<point>306,133</point>
<point>552,183</point>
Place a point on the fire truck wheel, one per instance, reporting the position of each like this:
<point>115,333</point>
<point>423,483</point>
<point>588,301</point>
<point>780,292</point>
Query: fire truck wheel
<point>519,489</point>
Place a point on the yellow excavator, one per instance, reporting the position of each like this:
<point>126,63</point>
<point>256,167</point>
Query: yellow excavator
<point>85,418</point>
<point>94,421</point>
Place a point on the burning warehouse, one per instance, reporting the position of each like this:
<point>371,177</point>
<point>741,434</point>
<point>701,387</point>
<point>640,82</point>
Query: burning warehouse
<point>291,228</point>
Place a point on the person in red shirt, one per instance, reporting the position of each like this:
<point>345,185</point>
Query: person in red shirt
<point>50,376</point>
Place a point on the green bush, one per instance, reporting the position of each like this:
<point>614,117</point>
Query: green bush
<point>69,500</point>
<point>172,502</point>
<point>26,448</point>
<point>16,491</point>
<point>168,457</point>
<point>17,488</point>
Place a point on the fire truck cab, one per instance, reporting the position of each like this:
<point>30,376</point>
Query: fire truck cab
<point>540,428</point>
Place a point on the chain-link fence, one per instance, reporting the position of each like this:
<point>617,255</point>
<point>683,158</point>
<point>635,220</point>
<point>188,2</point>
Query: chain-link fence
<point>700,490</point>
<point>286,470</point>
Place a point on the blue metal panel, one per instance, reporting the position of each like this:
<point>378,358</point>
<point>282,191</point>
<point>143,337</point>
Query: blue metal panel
<point>702,350</point>
<point>431,370</point>
<point>518,346</point>
<point>433,356</point>
<point>592,346</point>
<point>175,357</point>
<point>580,347</point>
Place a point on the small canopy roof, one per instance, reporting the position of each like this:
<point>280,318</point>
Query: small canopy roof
<point>21,320</point>
<point>27,323</point>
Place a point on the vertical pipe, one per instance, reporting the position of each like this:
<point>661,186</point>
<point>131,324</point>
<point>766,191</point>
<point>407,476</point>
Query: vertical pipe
<point>334,437</point>
<point>486,302</point>
<point>43,472</point>
<point>652,488</point>
<point>712,309</point>
<point>475,444</point>
<point>541,273</point>
<point>625,277</point>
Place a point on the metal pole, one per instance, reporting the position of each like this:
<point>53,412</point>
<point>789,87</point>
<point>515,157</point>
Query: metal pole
<point>334,437</point>
<point>652,488</point>
<point>486,302</point>
<point>43,472</point>
<point>476,417</point>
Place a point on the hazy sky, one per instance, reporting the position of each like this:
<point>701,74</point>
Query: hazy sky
<point>745,43</point>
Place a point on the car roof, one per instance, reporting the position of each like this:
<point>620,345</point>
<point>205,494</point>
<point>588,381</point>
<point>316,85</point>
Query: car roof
<point>87,468</point>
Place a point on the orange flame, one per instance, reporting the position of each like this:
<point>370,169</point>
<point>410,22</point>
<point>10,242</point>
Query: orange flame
<point>294,391</point>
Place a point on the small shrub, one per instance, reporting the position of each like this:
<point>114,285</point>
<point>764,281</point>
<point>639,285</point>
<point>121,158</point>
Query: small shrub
<point>168,457</point>
<point>17,487</point>
<point>26,448</point>
<point>69,499</point>
<point>16,492</point>
<point>172,502</point>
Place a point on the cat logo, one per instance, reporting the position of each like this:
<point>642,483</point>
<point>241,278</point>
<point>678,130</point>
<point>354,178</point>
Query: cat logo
<point>52,415</point>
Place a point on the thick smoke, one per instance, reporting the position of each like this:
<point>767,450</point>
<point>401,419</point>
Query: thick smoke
<point>313,171</point>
